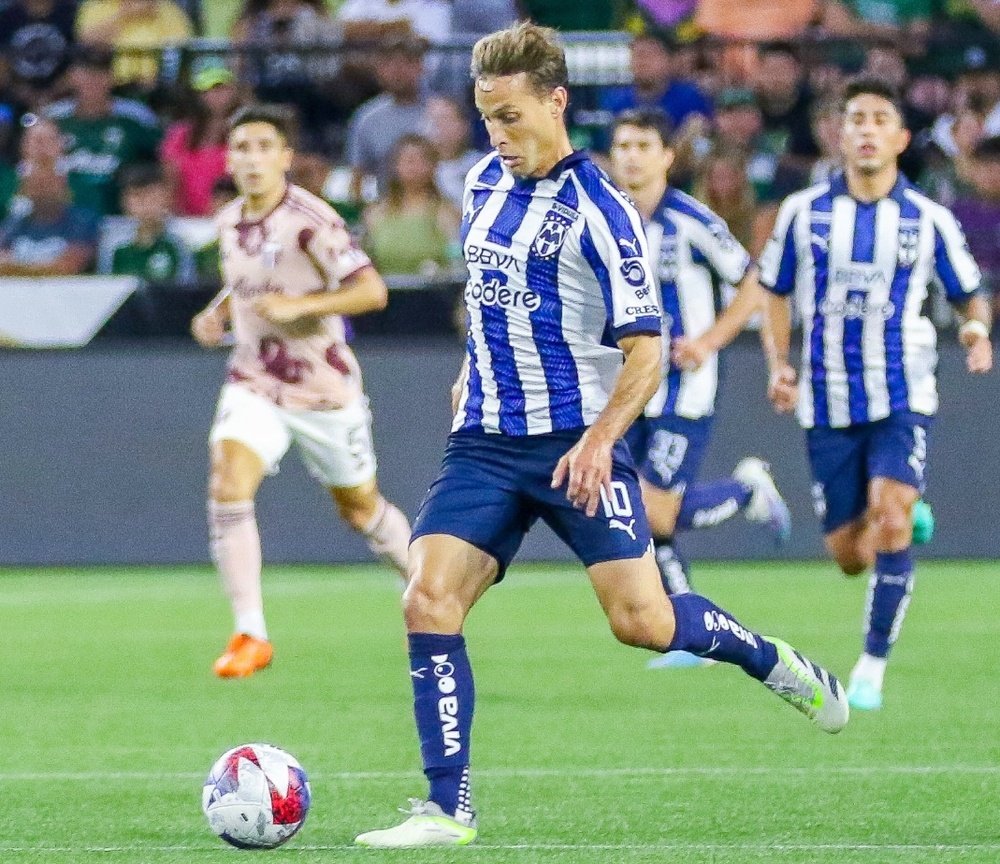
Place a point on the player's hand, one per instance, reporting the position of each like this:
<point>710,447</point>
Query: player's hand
<point>783,389</point>
<point>978,354</point>
<point>588,466</point>
<point>688,354</point>
<point>209,327</point>
<point>281,310</point>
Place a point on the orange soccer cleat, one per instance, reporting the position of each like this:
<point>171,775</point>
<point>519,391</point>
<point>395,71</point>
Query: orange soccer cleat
<point>244,655</point>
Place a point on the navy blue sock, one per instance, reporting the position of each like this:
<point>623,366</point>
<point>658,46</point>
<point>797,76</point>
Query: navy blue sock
<point>888,597</point>
<point>673,567</point>
<point>708,631</point>
<point>708,504</point>
<point>443,701</point>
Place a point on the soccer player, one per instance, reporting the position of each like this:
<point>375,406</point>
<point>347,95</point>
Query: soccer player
<point>693,252</point>
<point>290,272</point>
<point>556,259</point>
<point>859,252</point>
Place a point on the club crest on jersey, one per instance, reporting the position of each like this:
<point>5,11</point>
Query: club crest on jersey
<point>908,242</point>
<point>550,236</point>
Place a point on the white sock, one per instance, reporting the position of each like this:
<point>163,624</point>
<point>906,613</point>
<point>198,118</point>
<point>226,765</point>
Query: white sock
<point>388,535</point>
<point>235,546</point>
<point>252,623</point>
<point>870,669</point>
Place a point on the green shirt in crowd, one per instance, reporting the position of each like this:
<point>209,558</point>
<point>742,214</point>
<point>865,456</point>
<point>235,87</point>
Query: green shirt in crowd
<point>97,148</point>
<point>159,262</point>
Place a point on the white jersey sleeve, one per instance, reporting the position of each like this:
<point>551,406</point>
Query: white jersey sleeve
<point>614,244</point>
<point>955,269</point>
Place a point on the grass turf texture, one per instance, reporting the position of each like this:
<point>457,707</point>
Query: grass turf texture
<point>111,718</point>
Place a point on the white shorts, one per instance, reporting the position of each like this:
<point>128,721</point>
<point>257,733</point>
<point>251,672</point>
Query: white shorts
<point>335,445</point>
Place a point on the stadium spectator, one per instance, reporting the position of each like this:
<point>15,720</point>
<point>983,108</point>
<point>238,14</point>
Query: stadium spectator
<point>324,91</point>
<point>825,120</point>
<point>447,128</point>
<point>194,149</point>
<point>722,185</point>
<point>947,176</point>
<point>371,20</point>
<point>672,14</point>
<point>739,126</point>
<point>137,30</point>
<point>400,110</point>
<point>102,133</point>
<point>478,17</point>
<point>783,96</point>
<point>654,84</point>
<point>414,229</point>
<point>36,36</point>
<point>152,254</point>
<point>977,207</point>
<point>207,262</point>
<point>44,234</point>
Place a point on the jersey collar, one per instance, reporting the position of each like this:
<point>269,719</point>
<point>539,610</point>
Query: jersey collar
<point>838,186</point>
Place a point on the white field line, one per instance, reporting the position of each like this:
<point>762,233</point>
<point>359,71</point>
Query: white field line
<point>651,772</point>
<point>948,848</point>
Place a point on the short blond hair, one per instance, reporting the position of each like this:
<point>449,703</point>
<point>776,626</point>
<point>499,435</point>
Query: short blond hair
<point>526,48</point>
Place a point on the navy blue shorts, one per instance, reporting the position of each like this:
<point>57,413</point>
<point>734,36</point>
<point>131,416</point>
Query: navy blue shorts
<point>669,450</point>
<point>492,488</point>
<point>845,461</point>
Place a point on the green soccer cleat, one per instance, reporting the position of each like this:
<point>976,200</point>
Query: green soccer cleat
<point>923,523</point>
<point>808,688</point>
<point>428,825</point>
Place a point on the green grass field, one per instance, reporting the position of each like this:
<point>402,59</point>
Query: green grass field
<point>110,718</point>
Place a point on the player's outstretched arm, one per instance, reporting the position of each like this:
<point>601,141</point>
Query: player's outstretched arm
<point>209,326</point>
<point>588,463</point>
<point>361,292</point>
<point>776,336</point>
<point>974,334</point>
<point>749,299</point>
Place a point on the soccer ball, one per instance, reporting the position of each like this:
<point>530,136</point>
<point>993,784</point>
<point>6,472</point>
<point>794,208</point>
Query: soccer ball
<point>256,796</point>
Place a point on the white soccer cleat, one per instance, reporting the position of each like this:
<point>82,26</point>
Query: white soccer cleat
<point>428,825</point>
<point>808,688</point>
<point>766,504</point>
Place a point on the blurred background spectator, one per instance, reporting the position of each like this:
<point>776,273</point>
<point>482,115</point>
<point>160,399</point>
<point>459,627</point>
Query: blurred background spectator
<point>44,234</point>
<point>448,130</point>
<point>413,229</point>
<point>151,253</point>
<point>400,109</point>
<point>101,132</point>
<point>136,29</point>
<point>36,38</point>
<point>386,126</point>
<point>194,148</point>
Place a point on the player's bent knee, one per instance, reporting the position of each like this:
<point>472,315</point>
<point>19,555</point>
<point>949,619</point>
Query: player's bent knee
<point>852,566</point>
<point>641,626</point>
<point>428,608</point>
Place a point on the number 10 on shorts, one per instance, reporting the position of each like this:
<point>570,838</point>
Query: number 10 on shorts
<point>616,501</point>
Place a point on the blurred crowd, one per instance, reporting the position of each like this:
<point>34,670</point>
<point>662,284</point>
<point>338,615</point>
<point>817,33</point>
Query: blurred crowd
<point>113,121</point>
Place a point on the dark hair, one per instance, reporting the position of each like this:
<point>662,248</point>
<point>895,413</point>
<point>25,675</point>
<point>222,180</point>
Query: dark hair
<point>527,48</point>
<point>870,86</point>
<point>277,116</point>
<point>141,175</point>
<point>645,118</point>
<point>988,148</point>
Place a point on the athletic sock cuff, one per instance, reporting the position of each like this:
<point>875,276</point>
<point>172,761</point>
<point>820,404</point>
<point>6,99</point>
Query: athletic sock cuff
<point>435,643</point>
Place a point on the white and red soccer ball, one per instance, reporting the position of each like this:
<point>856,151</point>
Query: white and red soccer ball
<point>256,796</point>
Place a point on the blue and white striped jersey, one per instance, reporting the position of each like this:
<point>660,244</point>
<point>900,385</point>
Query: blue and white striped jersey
<point>690,247</point>
<point>558,271</point>
<point>861,272</point>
